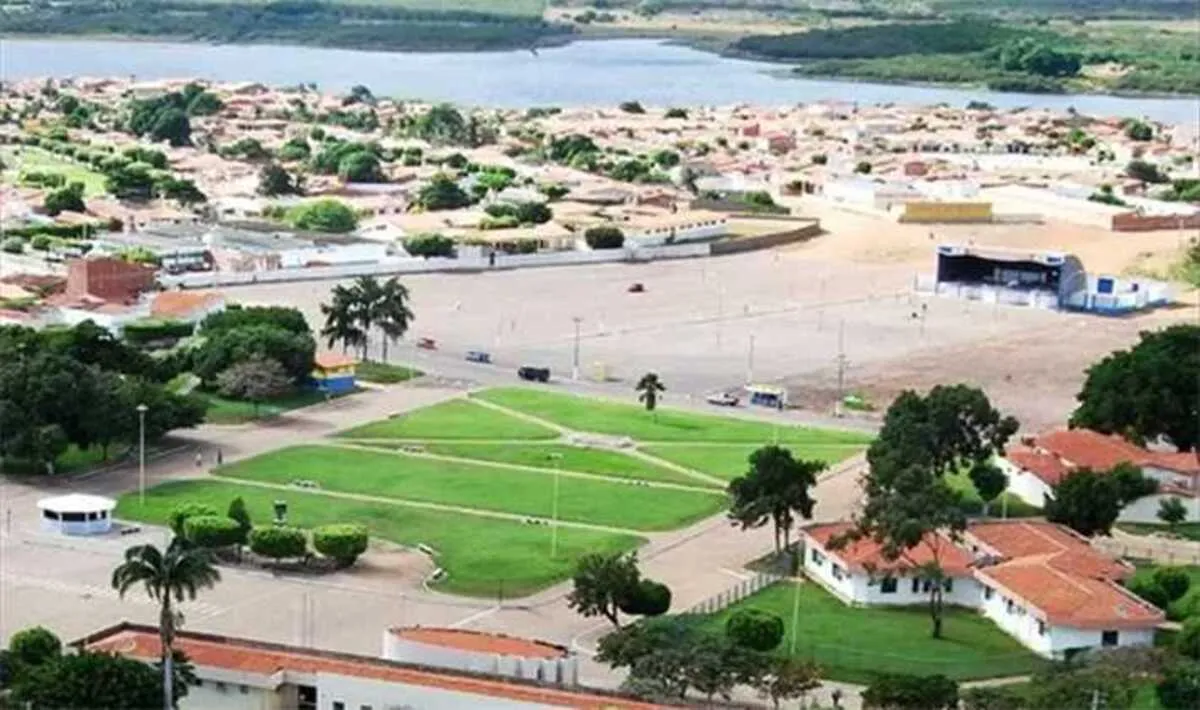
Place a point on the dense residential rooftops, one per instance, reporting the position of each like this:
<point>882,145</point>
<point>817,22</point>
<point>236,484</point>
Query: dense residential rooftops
<point>271,662</point>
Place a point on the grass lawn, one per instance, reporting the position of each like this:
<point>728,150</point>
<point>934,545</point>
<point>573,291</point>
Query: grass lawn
<point>73,460</point>
<point>1189,531</point>
<point>479,486</point>
<point>481,556</point>
<point>384,374</point>
<point>730,461</point>
<point>454,419</point>
<point>1178,609</point>
<point>574,458</point>
<point>1007,504</point>
<point>233,411</point>
<point>615,418</point>
<point>852,644</point>
<point>35,160</point>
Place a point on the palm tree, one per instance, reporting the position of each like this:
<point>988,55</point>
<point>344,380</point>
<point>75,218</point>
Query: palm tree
<point>367,296</point>
<point>341,325</point>
<point>393,314</point>
<point>648,389</point>
<point>168,577</point>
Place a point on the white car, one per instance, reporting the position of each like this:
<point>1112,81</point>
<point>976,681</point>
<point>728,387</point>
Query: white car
<point>722,399</point>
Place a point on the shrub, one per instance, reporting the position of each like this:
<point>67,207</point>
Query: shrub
<point>1179,688</point>
<point>604,237</point>
<point>508,221</point>
<point>1187,643</point>
<point>676,113</point>
<point>820,159</point>
<point>343,543</point>
<point>278,542</point>
<point>429,245</point>
<point>33,647</point>
<point>180,513</point>
<point>631,107</point>
<point>1173,581</point>
<point>993,698</point>
<point>41,242</point>
<point>212,531</point>
<point>755,629</point>
<point>152,329</point>
<point>910,692</point>
<point>1150,590</point>
<point>1145,171</point>
<point>238,513</point>
<point>863,167</point>
<point>13,245</point>
<point>649,598</point>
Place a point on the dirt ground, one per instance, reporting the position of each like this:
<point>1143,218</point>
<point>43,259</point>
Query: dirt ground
<point>785,316</point>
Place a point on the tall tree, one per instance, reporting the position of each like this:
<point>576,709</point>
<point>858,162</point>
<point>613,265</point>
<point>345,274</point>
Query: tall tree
<point>907,501</point>
<point>1149,391</point>
<point>1085,501</point>
<point>86,681</point>
<point>601,582</point>
<point>169,576</point>
<point>341,321</point>
<point>776,488</point>
<point>649,387</point>
<point>1172,512</point>
<point>255,380</point>
<point>989,482</point>
<point>392,314</point>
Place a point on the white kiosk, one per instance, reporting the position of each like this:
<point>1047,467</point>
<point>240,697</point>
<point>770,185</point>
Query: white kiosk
<point>77,514</point>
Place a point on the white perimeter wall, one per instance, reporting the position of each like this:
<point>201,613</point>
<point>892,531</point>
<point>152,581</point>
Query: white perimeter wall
<point>1145,509</point>
<point>356,693</point>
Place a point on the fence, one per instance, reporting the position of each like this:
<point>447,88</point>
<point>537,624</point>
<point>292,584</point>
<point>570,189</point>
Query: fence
<point>1165,551</point>
<point>735,594</point>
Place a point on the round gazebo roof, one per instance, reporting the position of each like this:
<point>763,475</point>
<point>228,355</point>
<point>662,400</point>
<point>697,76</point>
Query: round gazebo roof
<point>77,503</point>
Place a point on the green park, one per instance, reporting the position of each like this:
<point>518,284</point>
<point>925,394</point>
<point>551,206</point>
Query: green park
<point>496,486</point>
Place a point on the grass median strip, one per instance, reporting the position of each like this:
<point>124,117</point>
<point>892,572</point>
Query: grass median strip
<point>401,476</point>
<point>730,461</point>
<point>454,419</point>
<point>483,557</point>
<point>632,420</point>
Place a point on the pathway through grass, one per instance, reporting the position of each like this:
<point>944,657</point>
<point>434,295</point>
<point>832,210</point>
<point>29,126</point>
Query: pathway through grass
<point>453,419</point>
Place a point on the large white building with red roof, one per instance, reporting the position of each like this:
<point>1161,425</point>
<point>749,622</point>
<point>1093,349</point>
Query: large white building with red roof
<point>1039,463</point>
<point>1039,582</point>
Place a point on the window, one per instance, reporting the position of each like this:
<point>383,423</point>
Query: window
<point>1109,638</point>
<point>339,705</point>
<point>948,585</point>
<point>74,517</point>
<point>1008,605</point>
<point>49,515</point>
<point>916,585</point>
<point>987,593</point>
<point>1041,628</point>
<point>838,574</point>
<point>364,707</point>
<point>888,585</point>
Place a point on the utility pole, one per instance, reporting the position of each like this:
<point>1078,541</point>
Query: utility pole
<point>750,362</point>
<point>141,410</point>
<point>575,357</point>
<point>842,364</point>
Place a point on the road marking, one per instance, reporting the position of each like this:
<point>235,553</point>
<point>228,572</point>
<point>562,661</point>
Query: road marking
<point>91,591</point>
<point>743,576</point>
<point>468,620</point>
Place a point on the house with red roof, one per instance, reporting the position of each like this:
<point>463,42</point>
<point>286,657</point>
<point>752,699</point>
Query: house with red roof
<point>1039,463</point>
<point>1040,582</point>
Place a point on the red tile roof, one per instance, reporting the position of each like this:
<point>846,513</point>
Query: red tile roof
<point>183,304</point>
<point>480,642</point>
<point>1083,448</point>
<point>1047,467</point>
<point>1059,546</point>
<point>211,651</point>
<point>332,361</point>
<point>868,555</point>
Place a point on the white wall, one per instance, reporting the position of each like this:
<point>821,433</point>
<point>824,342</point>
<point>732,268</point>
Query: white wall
<point>209,695</point>
<point>357,693</point>
<point>856,587</point>
<point>1024,484</point>
<point>341,254</point>
<point>685,233</point>
<point>1145,509</point>
<point>1163,475</point>
<point>560,670</point>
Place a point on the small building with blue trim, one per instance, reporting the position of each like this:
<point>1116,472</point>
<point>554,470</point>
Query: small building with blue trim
<point>334,373</point>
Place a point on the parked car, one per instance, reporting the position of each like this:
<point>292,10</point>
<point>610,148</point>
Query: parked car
<point>479,356</point>
<point>534,374</point>
<point>637,288</point>
<point>722,399</point>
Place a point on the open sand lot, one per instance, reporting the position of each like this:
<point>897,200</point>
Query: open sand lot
<point>783,316</point>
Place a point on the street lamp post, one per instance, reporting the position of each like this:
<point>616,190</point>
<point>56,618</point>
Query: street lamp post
<point>556,458</point>
<point>141,410</point>
<point>575,355</point>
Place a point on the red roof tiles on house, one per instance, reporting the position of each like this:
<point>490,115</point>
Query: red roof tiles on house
<point>1069,599</point>
<point>480,642</point>
<point>183,304</point>
<point>868,554</point>
<point>1083,448</point>
<point>332,361</point>
<point>1047,467</point>
<point>1058,546</point>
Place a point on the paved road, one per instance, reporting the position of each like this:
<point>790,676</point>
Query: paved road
<point>63,583</point>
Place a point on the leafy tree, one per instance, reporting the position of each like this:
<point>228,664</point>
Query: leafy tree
<point>649,387</point>
<point>278,542</point>
<point>224,349</point>
<point>274,181</point>
<point>256,380</point>
<point>910,692</point>
<point>601,581</point>
<point>238,316</point>
<point>713,666</point>
<point>788,678</point>
<point>361,167</point>
<point>442,125</point>
<point>184,192</point>
<point>1179,688</point>
<point>65,199</point>
<point>1187,643</point>
<point>1146,172</point>
<point>1136,130</point>
<point>442,193</point>
<point>993,698</point>
<point>1131,482</point>
<point>178,517</point>
<point>239,514</point>
<point>343,543</point>
<point>131,182</point>
<point>246,148</point>
<point>32,647</point>
<point>631,107</point>
<point>87,681</point>
<point>1151,591</point>
<point>1086,501</point>
<point>294,149</point>
<point>1172,511</point>
<point>210,531</point>
<point>656,652</point>
<point>755,629</point>
<point>863,167</point>
<point>647,598</point>
<point>1173,580</point>
<point>676,113</point>
<point>775,488</point>
<point>907,500</point>
<point>326,215</point>
<point>171,125</point>
<point>604,237</point>
<point>1149,391</point>
<point>168,576</point>
<point>429,245</point>
<point>1062,687</point>
<point>989,482</point>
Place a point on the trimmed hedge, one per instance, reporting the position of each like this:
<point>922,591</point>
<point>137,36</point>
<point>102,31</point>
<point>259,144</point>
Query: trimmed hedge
<point>344,542</point>
<point>151,329</point>
<point>278,542</point>
<point>212,531</point>
<point>180,514</point>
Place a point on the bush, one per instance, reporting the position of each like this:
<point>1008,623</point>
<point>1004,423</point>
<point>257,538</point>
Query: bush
<point>180,513</point>
<point>676,113</point>
<point>212,531</point>
<point>508,221</point>
<point>820,159</point>
<point>33,647</point>
<point>604,237</point>
<point>343,543</point>
<point>324,216</point>
<point>1150,590</point>
<point>13,245</point>
<point>278,542</point>
<point>755,629</point>
<point>1179,688</point>
<point>910,692</point>
<point>41,242</point>
<point>649,598</point>
<point>237,512</point>
<point>152,329</point>
<point>1187,643</point>
<point>1145,171</point>
<point>863,167</point>
<point>631,107</point>
<point>1173,581</point>
<point>428,245</point>
<point>993,698</point>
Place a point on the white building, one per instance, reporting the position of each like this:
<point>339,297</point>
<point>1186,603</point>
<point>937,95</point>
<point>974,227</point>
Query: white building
<point>436,673</point>
<point>863,192</point>
<point>1039,582</point>
<point>676,228</point>
<point>77,514</point>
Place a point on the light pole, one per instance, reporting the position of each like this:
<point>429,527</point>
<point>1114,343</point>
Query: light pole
<point>556,458</point>
<point>750,362</point>
<point>141,410</point>
<point>575,355</point>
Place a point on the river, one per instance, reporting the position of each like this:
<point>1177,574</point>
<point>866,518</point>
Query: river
<point>597,73</point>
